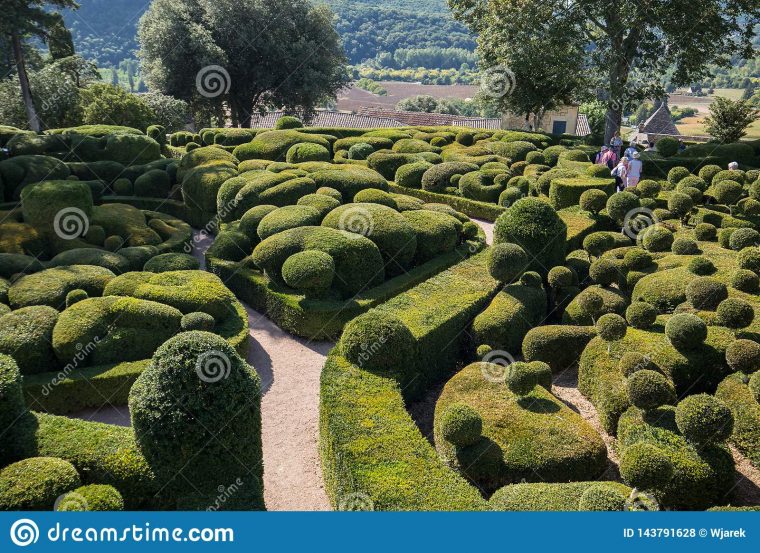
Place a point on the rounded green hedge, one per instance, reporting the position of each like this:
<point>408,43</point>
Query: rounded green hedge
<point>507,262</point>
<point>735,313</point>
<point>704,419</point>
<point>288,217</point>
<point>310,271</point>
<point>93,497</point>
<point>648,389</point>
<point>306,151</point>
<point>35,483</point>
<point>522,377</point>
<point>744,238</point>
<point>611,327</point>
<point>633,361</point>
<point>743,355</point>
<point>641,315</point>
<point>657,239</point>
<point>197,389</point>
<point>535,226</point>
<point>602,498</point>
<point>26,334</point>
<point>197,320</point>
<point>461,425</point>
<point>706,232</point>
<point>701,266</point>
<point>172,262</point>
<point>686,331</point>
<point>378,341</point>
<point>706,293</point>
<point>645,466</point>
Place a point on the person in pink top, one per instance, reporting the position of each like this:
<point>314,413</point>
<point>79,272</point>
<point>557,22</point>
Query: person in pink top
<point>634,171</point>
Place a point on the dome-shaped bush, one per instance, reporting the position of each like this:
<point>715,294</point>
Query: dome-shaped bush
<point>745,281</point>
<point>684,246</point>
<point>306,151</point>
<point>677,174</point>
<point>694,193</point>
<point>648,188</point>
<point>754,385</point>
<point>705,232</point>
<point>288,122</point>
<point>611,327</point>
<point>686,331</point>
<point>531,279</point>
<point>378,341</point>
<point>93,497</point>
<point>743,355</point>
<point>603,272</point>
<point>310,271</point>
<point>706,293</point>
<point>707,172</point>
<point>561,277</point>
<point>724,237</point>
<point>633,361</point>
<point>620,204</point>
<point>727,192</point>
<point>645,466</point>
<point>409,175</point>
<point>329,191</point>
<point>704,419</point>
<point>701,266</point>
<point>197,320</point>
<point>590,303</point>
<point>171,262</point>
<point>510,195</point>
<point>667,146</point>
<point>648,389</point>
<point>375,196</point>
<point>743,238</point>
<point>75,296</point>
<point>506,262</point>
<point>535,226</point>
<point>597,243</point>
<point>35,483</point>
<point>288,217</point>
<point>194,381</point>
<point>749,258</point>
<point>637,259</point>
<point>523,377</point>
<point>657,239</point>
<point>735,313</point>
<point>692,182</point>
<point>680,204</point>
<point>601,498</point>
<point>641,315</point>
<point>361,150</point>
<point>593,200</point>
<point>461,425</point>
<point>465,138</point>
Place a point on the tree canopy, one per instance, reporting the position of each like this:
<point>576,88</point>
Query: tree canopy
<point>252,54</point>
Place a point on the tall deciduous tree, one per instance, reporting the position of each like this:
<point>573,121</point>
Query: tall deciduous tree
<point>269,54</point>
<point>631,46</point>
<point>19,19</point>
<point>729,119</point>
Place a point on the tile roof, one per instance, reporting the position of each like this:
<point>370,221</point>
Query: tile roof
<point>325,118</point>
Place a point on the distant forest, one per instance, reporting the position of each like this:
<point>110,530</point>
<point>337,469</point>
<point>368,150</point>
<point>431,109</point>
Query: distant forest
<point>105,30</point>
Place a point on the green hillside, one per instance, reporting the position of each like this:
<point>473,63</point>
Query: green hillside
<point>105,30</point>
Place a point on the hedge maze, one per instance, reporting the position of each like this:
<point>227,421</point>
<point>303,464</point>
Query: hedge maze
<point>441,392</point>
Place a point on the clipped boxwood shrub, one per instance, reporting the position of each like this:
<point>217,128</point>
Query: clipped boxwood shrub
<point>686,331</point>
<point>93,497</point>
<point>35,483</point>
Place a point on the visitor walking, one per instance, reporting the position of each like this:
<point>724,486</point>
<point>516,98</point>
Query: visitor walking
<point>630,150</point>
<point>599,158</point>
<point>634,171</point>
<point>620,172</point>
<point>733,166</point>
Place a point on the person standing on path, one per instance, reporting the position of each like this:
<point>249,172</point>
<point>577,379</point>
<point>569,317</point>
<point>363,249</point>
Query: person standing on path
<point>634,171</point>
<point>617,144</point>
<point>620,172</point>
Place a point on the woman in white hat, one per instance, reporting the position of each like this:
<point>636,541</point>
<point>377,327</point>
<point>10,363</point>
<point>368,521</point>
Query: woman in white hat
<point>633,175</point>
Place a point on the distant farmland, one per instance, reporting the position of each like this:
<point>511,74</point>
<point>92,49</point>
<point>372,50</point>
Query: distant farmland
<point>355,98</point>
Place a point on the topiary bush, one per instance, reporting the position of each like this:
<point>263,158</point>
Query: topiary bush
<point>620,204</point>
<point>195,380</point>
<point>680,205</point>
<point>593,201</point>
<point>645,466</point>
<point>507,262</point>
<point>637,259</point>
<point>641,315</point>
<point>602,498</point>
<point>749,258</point>
<point>743,355</point>
<point>633,361</point>
<point>735,313</point>
<point>704,419</point>
<point>648,390</point>
<point>706,293</point>
<point>378,342</point>
<point>197,320</point>
<point>657,238</point>
<point>603,272</point>
<point>536,227</point>
<point>461,425</point>
<point>93,497</point>
<point>685,246</point>
<point>35,483</point>
<point>522,377</point>
<point>310,271</point>
<point>288,122</point>
<point>701,266</point>
<point>26,334</point>
<point>686,331</point>
<point>667,146</point>
<point>172,262</point>
<point>677,174</point>
<point>611,328</point>
<point>744,238</point>
<point>597,243</point>
<point>745,281</point>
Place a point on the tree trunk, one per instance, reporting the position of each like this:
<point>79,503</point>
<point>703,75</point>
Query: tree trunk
<point>23,79</point>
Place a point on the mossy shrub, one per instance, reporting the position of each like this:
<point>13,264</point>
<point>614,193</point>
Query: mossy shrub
<point>593,200</point>
<point>75,296</point>
<point>641,315</point>
<point>522,377</point>
<point>535,226</point>
<point>701,266</point>
<point>597,243</point>
<point>603,272</point>
<point>172,262</point>
<point>749,258</point>
<point>288,122</point>
<point>561,277</point>
<point>360,151</point>
<point>461,425</point>
<point>677,174</point>
<point>26,334</point>
<point>438,177</point>
<point>645,466</point>
<point>602,498</point>
<point>288,217</point>
<point>706,293</point>
<point>735,313</point>
<point>648,389</point>
<point>704,419</point>
<point>35,483</point>
<point>744,238</point>
<point>727,192</point>
<point>684,246</point>
<point>378,341</point>
<point>507,262</point>
<point>310,271</point>
<point>93,497</point>
<point>637,259</point>
<point>620,204</point>
<point>306,151</point>
<point>745,281</point>
<point>410,174</point>
<point>743,355</point>
<point>510,195</point>
<point>633,361</point>
<point>197,320</point>
<point>657,238</point>
<point>686,331</point>
<point>193,381</point>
